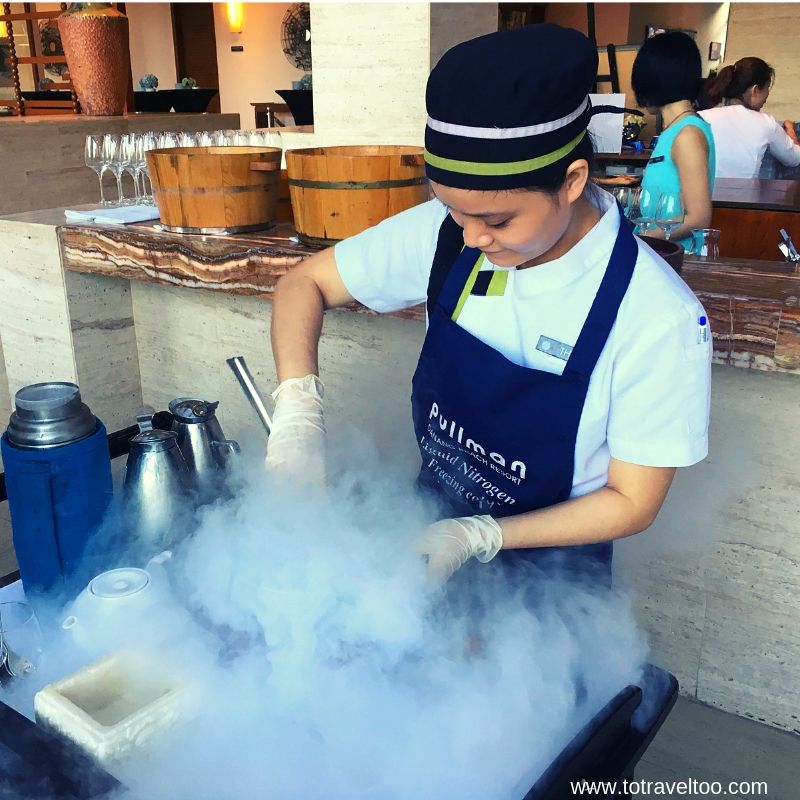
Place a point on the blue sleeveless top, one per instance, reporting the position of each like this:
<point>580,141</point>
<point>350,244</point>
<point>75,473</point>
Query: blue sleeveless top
<point>662,176</point>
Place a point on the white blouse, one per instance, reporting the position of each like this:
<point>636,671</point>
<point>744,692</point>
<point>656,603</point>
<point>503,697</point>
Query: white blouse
<point>742,136</point>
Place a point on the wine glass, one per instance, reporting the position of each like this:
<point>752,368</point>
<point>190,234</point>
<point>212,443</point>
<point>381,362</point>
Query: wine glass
<point>257,138</point>
<point>642,209</point>
<point>93,157</point>
<point>240,139</point>
<point>167,139</point>
<point>128,144</point>
<point>112,154</point>
<point>669,213</point>
<point>149,141</point>
<point>138,165</point>
<point>203,139</point>
<point>624,196</point>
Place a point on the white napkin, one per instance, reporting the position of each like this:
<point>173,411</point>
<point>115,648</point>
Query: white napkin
<point>113,216</point>
<point>123,214</point>
<point>81,214</point>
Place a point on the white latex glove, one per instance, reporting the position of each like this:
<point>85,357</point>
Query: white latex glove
<point>296,444</point>
<point>450,543</point>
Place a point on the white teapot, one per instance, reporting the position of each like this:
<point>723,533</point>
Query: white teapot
<point>123,607</point>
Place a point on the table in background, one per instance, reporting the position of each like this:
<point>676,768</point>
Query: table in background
<point>635,158</point>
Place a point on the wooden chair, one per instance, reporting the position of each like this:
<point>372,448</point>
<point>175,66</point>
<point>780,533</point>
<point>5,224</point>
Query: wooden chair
<point>37,106</point>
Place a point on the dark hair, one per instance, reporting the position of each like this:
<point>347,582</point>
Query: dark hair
<point>733,81</point>
<point>667,69</point>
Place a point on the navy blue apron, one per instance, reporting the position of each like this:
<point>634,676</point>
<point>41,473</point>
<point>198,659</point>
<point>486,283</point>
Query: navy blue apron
<point>499,438</point>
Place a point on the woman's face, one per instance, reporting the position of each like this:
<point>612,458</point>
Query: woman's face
<point>512,228</point>
<point>756,97</point>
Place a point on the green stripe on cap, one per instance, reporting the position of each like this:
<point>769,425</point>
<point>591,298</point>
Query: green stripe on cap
<point>502,168</point>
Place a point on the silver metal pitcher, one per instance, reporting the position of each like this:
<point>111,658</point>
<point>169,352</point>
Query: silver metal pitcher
<point>156,487</point>
<point>200,438</point>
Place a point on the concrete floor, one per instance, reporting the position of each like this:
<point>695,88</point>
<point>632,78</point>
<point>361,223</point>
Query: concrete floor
<point>704,743</point>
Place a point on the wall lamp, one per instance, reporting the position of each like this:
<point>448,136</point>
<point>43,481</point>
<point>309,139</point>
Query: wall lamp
<point>235,15</point>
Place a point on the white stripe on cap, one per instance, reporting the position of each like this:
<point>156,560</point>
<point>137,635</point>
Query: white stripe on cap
<point>507,133</point>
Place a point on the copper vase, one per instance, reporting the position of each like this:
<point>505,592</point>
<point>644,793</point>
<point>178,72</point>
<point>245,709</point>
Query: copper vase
<point>95,39</point>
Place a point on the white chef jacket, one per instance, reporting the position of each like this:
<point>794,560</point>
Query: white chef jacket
<point>649,395</point>
<point>742,136</point>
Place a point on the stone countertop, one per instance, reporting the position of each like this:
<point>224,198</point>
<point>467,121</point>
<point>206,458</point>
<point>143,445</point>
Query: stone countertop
<point>754,310</point>
<point>753,306</point>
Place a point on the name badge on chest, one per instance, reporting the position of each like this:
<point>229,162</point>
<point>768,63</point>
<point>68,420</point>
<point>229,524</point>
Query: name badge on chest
<point>552,347</point>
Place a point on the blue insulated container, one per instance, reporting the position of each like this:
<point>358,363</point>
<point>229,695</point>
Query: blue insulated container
<point>58,481</point>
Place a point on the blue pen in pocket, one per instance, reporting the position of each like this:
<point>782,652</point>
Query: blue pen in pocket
<point>702,333</point>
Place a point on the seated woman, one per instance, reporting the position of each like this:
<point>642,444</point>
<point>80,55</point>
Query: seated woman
<point>666,79</point>
<point>742,131</point>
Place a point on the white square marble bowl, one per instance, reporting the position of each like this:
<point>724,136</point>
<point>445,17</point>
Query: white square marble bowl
<point>112,707</point>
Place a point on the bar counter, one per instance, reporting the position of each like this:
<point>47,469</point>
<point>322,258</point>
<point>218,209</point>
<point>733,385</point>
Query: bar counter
<point>754,306</point>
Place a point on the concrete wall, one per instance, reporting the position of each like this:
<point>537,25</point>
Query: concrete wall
<point>151,43</point>
<point>371,62</point>
<point>715,579</point>
<point>451,23</point>
<point>770,31</point>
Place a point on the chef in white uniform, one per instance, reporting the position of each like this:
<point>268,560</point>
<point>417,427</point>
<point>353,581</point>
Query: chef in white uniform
<point>565,373</point>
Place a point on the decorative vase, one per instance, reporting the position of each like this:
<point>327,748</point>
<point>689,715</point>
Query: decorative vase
<point>95,39</point>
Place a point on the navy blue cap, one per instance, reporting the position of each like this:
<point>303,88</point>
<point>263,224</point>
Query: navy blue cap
<point>507,110</point>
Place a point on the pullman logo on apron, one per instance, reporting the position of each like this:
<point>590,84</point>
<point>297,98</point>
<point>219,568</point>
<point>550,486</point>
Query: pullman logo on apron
<point>465,465</point>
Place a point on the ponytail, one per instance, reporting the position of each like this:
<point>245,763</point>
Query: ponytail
<point>718,86</point>
<point>733,81</point>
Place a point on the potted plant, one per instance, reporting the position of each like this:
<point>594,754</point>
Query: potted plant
<point>148,83</point>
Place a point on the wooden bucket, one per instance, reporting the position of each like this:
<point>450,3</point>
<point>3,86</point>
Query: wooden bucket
<point>215,189</point>
<point>340,191</point>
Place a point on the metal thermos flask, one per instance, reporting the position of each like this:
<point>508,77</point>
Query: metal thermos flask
<point>58,480</point>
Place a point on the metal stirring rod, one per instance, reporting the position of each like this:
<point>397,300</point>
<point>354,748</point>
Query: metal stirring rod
<point>248,384</point>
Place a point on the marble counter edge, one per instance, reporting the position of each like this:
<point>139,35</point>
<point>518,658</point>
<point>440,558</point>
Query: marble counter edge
<point>237,265</point>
